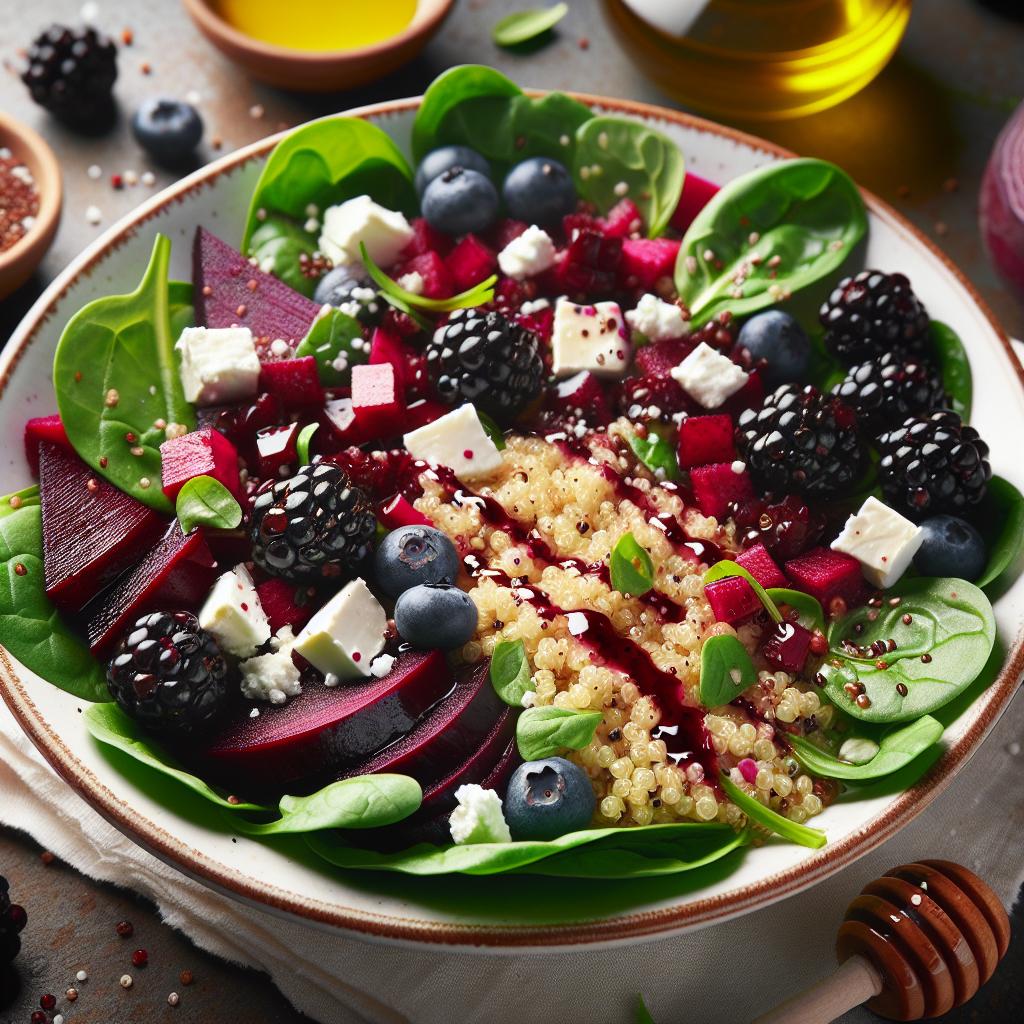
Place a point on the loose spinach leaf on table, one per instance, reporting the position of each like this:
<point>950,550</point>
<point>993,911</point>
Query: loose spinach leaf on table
<point>330,342</point>
<point>951,357</point>
<point>809,611</point>
<point>951,624</point>
<point>544,732</point>
<point>510,672</point>
<point>805,212</point>
<point>726,568</point>
<point>205,501</point>
<point>277,245</point>
<point>896,749</point>
<point>1002,513</point>
<point>115,376</point>
<point>764,816</point>
<point>632,571</point>
<point>522,26</point>
<point>30,627</point>
<point>725,670</point>
<point>657,454</point>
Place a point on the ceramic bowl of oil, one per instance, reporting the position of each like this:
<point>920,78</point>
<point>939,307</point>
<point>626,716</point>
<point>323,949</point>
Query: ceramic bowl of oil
<point>315,46</point>
<point>748,60</point>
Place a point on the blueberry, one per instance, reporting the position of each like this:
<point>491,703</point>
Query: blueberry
<point>412,555</point>
<point>547,799</point>
<point>951,547</point>
<point>167,129</point>
<point>539,191</point>
<point>460,201</point>
<point>437,161</point>
<point>348,285</point>
<point>435,615</point>
<point>781,342</point>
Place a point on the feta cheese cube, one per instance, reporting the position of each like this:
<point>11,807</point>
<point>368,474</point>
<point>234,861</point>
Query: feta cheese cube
<point>883,541</point>
<point>457,440</point>
<point>273,677</point>
<point>529,254</point>
<point>478,818</point>
<point>217,364</point>
<point>656,319</point>
<point>708,377</point>
<point>590,338</point>
<point>344,637</point>
<point>233,614</point>
<point>384,232</point>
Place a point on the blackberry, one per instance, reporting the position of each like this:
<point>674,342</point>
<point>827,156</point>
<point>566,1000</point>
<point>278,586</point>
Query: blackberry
<point>871,314</point>
<point>802,442</point>
<point>71,73</point>
<point>315,525</point>
<point>651,398</point>
<point>169,675</point>
<point>486,359</point>
<point>933,463</point>
<point>885,391</point>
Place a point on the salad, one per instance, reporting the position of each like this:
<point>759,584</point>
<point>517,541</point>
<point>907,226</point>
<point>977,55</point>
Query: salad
<point>496,512</point>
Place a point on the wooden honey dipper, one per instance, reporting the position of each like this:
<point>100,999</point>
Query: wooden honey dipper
<point>916,942</point>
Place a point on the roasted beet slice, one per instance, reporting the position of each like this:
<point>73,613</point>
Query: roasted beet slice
<point>204,452</point>
<point>40,429</point>
<point>91,531</point>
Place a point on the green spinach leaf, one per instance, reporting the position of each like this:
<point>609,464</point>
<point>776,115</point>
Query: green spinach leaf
<point>725,670</point>
<point>335,340</point>
<point>632,571</point>
<point>179,307</point>
<point>303,441</point>
<point>799,218</point>
<point>726,568</point>
<point>764,816</point>
<point>952,360</point>
<point>544,732</point>
<point>492,430</point>
<point>657,454</point>
<point>1003,510</point>
<point>478,295</point>
<point>277,245</point>
<point>809,611</point>
<point>115,376</point>
<point>522,26</point>
<point>510,672</point>
<point>205,501</point>
<point>643,1015</point>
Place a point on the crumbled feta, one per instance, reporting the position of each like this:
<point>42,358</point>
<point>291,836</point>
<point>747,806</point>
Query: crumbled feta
<point>858,750</point>
<point>218,364</point>
<point>457,440</point>
<point>709,377</point>
<point>381,665</point>
<point>656,319</point>
<point>478,818</point>
<point>530,253</point>
<point>233,615</point>
<point>346,634</point>
<point>534,306</point>
<point>384,232</point>
<point>412,282</point>
<point>272,677</point>
<point>883,541</point>
<point>529,699</point>
<point>590,338</point>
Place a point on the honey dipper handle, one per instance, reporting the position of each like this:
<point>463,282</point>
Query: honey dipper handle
<point>853,983</point>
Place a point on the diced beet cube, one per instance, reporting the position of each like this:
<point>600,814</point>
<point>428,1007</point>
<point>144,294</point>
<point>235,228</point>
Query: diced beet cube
<point>750,396</point>
<point>397,512</point>
<point>705,439</point>
<point>505,231</point>
<point>581,220</point>
<point>425,239</point>
<point>760,564</point>
<point>645,261</point>
<point>239,423</point>
<point>205,452</point>
<point>660,358</point>
<point>340,420</point>
<point>732,599</point>
<point>580,397</point>
<point>285,604</point>
<point>590,264</point>
<point>377,401</point>
<point>540,321</point>
<point>787,647</point>
<point>386,347</point>
<point>276,451</point>
<point>293,382</point>
<point>423,411</point>
<point>826,574</point>
<point>40,429</point>
<point>696,194</point>
<point>437,281</point>
<point>470,262</point>
<point>623,219</point>
<point>715,486</point>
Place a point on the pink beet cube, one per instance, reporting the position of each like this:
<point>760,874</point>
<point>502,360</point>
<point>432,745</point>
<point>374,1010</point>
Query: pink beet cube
<point>580,396</point>
<point>645,261</point>
<point>624,219</point>
<point>377,401</point>
<point>826,574</point>
<point>398,511</point>
<point>437,281</point>
<point>762,566</point>
<point>424,411</point>
<point>285,604</point>
<point>425,239</point>
<point>787,647</point>
<point>705,439</point>
<point>505,231</point>
<point>732,599</point>
<point>750,396</point>
<point>43,428</point>
<point>696,194</point>
<point>340,419</point>
<point>387,347</point>
<point>205,452</point>
<point>470,262</point>
<point>660,358</point>
<point>293,382</point>
<point>715,486</point>
<point>276,453</point>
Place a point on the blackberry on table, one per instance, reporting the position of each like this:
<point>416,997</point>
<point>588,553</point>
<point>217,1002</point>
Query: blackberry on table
<point>169,675</point>
<point>485,358</point>
<point>873,313</point>
<point>802,442</point>
<point>934,463</point>
<point>885,391</point>
<point>314,525</point>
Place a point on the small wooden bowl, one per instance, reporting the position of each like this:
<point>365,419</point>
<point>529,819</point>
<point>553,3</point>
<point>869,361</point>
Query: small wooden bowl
<point>315,70</point>
<point>18,262</point>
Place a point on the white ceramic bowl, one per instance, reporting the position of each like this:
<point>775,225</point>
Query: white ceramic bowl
<point>511,911</point>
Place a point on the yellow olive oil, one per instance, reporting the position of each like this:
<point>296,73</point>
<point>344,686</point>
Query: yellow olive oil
<point>316,24</point>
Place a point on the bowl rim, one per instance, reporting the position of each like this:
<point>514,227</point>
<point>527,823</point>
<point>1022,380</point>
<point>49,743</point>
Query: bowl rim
<point>369,925</point>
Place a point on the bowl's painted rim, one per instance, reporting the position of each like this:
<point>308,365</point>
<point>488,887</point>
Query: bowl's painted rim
<point>390,928</point>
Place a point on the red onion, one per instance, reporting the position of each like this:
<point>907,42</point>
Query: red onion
<point>1002,203</point>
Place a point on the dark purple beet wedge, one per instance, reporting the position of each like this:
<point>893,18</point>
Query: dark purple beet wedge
<point>230,290</point>
<point>92,531</point>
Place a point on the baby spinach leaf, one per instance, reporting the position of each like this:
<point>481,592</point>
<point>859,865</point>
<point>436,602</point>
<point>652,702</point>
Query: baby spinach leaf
<point>325,163</point>
<point>510,672</point>
<point>725,670</point>
<point>809,611</point>
<point>632,570</point>
<point>335,340</point>
<point>951,625</point>
<point>522,26</point>
<point>643,1015</point>
<point>478,295</point>
<point>302,442</point>
<point>799,218</point>
<point>492,430</point>
<point>179,307</point>
<point>657,454</point>
<point>896,749</point>
<point>951,357</point>
<point>30,627</point>
<point>544,732</point>
<point>115,375</point>
<point>612,152</point>
<point>277,245</point>
<point>205,501</point>
<point>108,724</point>
<point>764,816</point>
<point>726,568</point>
<point>1003,509</point>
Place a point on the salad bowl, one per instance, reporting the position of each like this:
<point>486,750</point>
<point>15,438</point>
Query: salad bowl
<point>281,874</point>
